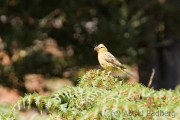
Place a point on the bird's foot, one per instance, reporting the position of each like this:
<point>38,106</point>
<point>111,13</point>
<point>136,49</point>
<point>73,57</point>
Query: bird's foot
<point>109,72</point>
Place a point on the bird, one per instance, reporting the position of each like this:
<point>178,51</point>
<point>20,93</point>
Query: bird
<point>109,62</point>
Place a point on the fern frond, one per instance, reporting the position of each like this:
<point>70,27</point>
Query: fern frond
<point>102,96</point>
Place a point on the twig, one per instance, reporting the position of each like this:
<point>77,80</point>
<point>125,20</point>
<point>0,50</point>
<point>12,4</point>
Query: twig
<point>151,78</point>
<point>33,116</point>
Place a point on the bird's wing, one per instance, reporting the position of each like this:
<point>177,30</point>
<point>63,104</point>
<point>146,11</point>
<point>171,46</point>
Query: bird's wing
<point>111,59</point>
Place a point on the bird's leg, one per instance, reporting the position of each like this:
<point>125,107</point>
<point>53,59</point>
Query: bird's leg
<point>109,72</point>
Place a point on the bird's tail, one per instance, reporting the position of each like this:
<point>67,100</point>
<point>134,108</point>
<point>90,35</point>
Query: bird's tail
<point>130,74</point>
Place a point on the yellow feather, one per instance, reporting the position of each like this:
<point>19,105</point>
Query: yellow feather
<point>109,62</point>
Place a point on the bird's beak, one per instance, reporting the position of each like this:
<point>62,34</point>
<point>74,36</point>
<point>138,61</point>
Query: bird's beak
<point>96,48</point>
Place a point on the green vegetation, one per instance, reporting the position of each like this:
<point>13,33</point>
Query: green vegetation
<point>102,96</point>
<point>4,112</point>
<point>50,39</point>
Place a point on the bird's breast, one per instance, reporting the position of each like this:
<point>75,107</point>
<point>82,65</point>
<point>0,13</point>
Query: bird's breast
<point>106,65</point>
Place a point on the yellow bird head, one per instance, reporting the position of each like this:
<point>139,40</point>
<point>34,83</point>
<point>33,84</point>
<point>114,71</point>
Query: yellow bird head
<point>100,48</point>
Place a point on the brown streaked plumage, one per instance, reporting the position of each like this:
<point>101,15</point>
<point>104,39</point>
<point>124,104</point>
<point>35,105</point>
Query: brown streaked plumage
<point>108,61</point>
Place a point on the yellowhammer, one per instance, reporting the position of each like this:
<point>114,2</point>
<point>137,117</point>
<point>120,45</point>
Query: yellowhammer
<point>109,62</point>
